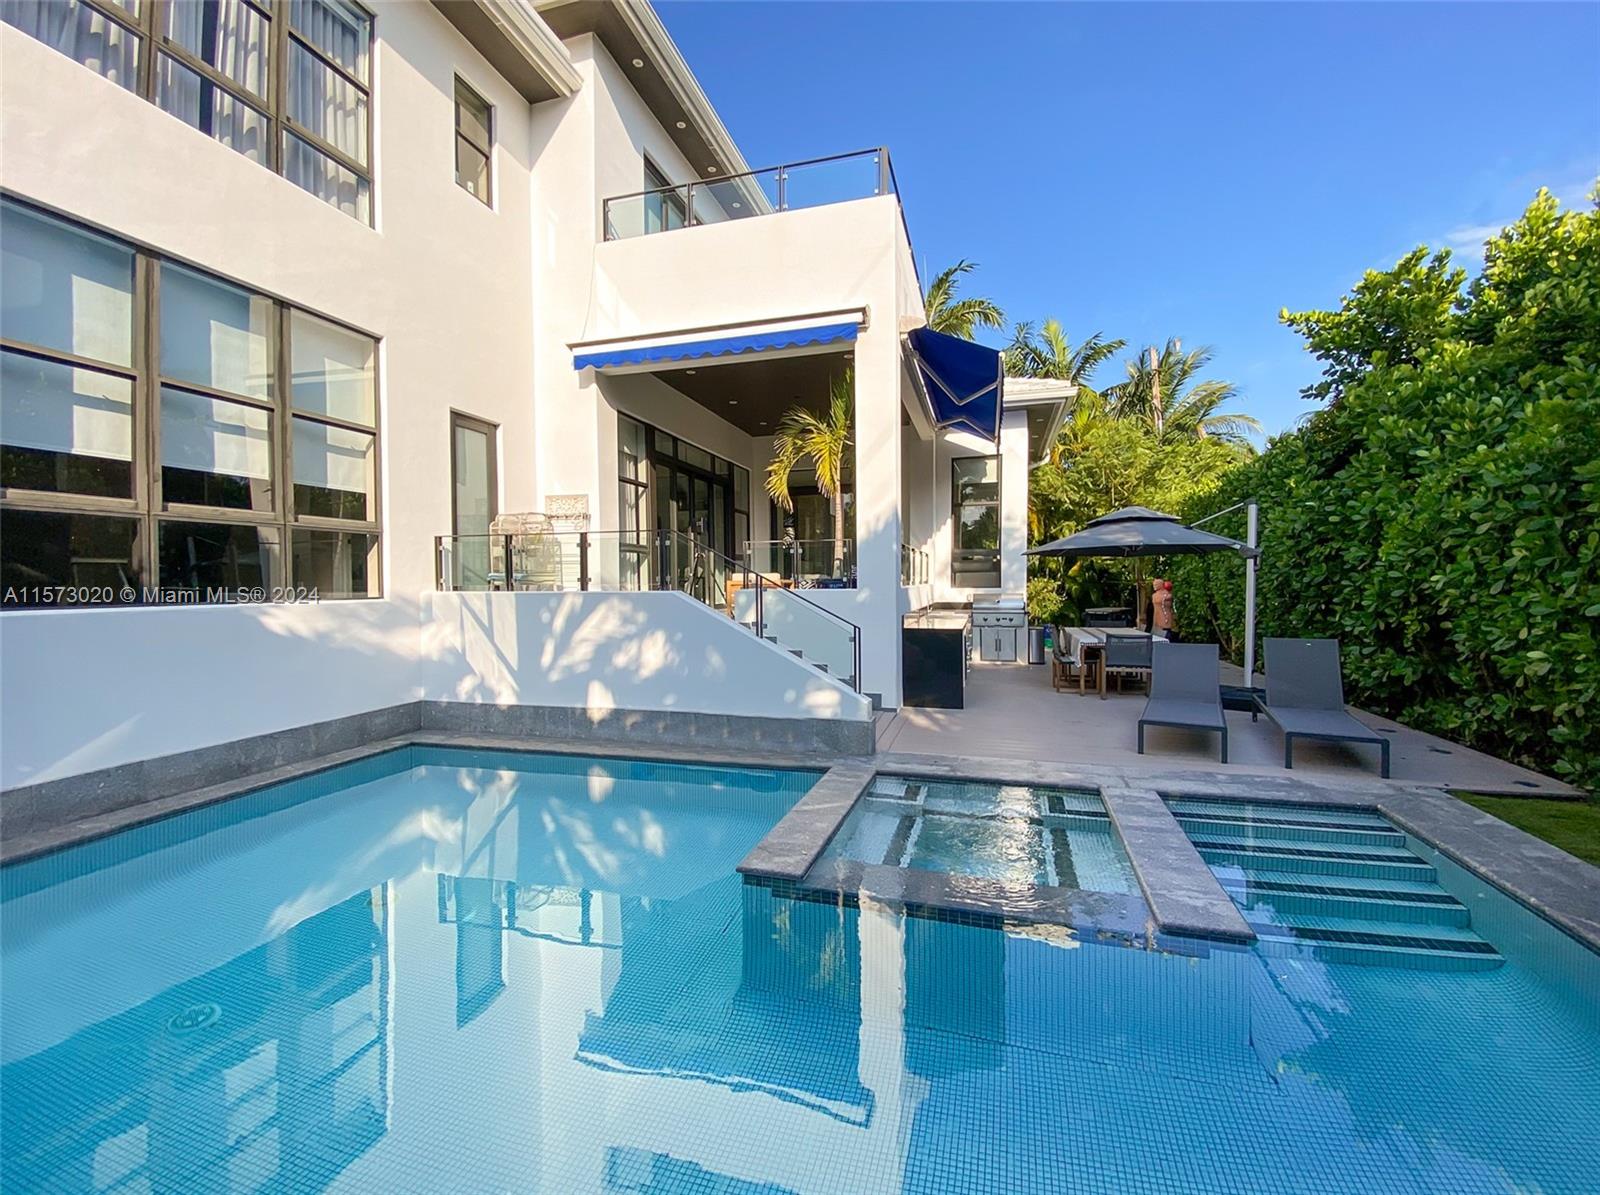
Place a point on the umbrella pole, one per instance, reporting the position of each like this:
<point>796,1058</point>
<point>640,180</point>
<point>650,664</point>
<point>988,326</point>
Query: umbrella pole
<point>1251,513</point>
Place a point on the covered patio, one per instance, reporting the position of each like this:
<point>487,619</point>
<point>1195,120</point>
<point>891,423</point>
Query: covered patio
<point>1013,713</point>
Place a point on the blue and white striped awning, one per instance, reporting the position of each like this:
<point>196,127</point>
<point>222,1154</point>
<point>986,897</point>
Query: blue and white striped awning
<point>660,353</point>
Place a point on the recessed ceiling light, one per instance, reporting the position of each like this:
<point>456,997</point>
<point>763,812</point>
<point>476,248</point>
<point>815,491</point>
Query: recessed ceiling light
<point>763,423</point>
<point>733,402</point>
<point>711,169</point>
<point>683,124</point>
<point>737,205</point>
<point>638,62</point>
<point>688,371</point>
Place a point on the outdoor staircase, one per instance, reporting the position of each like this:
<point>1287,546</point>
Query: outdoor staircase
<point>821,666</point>
<point>1337,885</point>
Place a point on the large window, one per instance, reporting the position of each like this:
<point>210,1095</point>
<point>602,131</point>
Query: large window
<point>286,83</point>
<point>164,428</point>
<point>663,209</point>
<point>474,141</point>
<point>975,514</point>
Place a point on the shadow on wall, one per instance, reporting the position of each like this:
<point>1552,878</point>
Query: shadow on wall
<point>209,675</point>
<point>602,652</point>
<point>190,676</point>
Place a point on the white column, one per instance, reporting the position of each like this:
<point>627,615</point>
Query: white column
<point>1014,503</point>
<point>877,488</point>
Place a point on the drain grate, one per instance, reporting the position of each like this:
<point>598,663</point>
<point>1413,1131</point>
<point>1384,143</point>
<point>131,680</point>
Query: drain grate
<point>193,1019</point>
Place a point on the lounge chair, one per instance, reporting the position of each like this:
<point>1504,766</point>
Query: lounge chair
<point>1185,687</point>
<point>1305,697</point>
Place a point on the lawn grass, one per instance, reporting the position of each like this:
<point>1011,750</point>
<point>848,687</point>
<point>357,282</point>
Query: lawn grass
<point>1574,826</point>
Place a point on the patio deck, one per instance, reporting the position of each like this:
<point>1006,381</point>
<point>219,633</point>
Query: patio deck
<point>1012,713</point>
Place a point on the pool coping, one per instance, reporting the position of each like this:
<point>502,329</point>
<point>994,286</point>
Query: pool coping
<point>1559,887</point>
<point>21,847</point>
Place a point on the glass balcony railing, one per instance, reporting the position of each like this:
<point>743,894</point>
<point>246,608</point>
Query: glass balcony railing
<point>813,183</point>
<point>630,561</point>
<point>913,565</point>
<point>809,563</point>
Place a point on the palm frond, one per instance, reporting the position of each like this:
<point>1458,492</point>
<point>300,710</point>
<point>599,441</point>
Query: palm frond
<point>954,316</point>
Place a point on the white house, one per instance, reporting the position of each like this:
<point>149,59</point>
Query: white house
<point>299,299</point>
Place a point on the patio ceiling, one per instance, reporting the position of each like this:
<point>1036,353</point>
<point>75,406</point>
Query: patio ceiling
<point>753,393</point>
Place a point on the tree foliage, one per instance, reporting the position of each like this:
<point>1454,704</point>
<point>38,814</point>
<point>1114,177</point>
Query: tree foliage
<point>1047,353</point>
<point>1165,392</point>
<point>1102,463</point>
<point>822,440</point>
<point>1441,516</point>
<point>949,313</point>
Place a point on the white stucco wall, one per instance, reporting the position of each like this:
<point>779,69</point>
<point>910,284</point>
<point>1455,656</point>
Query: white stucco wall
<point>431,279</point>
<point>1013,452</point>
<point>81,690</point>
<point>609,651</point>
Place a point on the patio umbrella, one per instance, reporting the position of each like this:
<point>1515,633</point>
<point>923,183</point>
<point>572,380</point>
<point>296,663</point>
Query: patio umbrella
<point>1140,531</point>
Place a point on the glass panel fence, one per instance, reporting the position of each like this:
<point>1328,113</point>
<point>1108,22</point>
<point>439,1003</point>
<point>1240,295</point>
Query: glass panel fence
<point>832,180</point>
<point>754,193</point>
<point>622,561</point>
<point>808,563</point>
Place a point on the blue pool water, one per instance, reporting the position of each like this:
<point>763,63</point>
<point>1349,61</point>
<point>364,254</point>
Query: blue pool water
<point>450,972</point>
<point>1010,833</point>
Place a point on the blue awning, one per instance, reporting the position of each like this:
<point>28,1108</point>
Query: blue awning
<point>963,380</point>
<point>721,346</point>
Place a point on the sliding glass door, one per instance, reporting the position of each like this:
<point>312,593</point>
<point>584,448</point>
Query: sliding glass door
<point>474,499</point>
<point>668,484</point>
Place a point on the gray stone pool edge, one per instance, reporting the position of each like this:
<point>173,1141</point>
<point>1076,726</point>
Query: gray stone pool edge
<point>1559,887</point>
<point>42,840</point>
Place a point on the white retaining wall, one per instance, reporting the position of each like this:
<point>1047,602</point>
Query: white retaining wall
<point>82,690</point>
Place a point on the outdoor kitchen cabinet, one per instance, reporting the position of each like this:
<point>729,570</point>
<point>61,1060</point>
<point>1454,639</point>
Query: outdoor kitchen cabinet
<point>1000,628</point>
<point>935,645</point>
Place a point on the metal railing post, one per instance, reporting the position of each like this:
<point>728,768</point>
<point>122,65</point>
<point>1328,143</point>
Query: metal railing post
<point>783,189</point>
<point>761,613</point>
<point>688,210</point>
<point>883,170</point>
<point>583,562</point>
<point>438,563</point>
<point>508,576</point>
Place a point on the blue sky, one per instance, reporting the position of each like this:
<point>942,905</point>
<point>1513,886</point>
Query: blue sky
<point>1149,170</point>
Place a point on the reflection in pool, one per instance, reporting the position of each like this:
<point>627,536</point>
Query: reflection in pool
<point>469,972</point>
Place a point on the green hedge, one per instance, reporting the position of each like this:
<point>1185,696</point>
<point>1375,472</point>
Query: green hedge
<point>1442,516</point>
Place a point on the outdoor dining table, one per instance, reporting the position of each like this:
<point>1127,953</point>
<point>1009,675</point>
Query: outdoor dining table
<point>1086,645</point>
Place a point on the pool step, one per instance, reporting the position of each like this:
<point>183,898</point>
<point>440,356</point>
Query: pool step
<point>1333,885</point>
<point>1288,901</point>
<point>1275,814</point>
<point>1322,858</point>
<point>1278,945</point>
<point>1238,829</point>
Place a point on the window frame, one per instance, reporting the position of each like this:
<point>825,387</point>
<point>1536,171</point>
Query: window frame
<point>490,120</point>
<point>152,27</point>
<point>956,505</point>
<point>148,506</point>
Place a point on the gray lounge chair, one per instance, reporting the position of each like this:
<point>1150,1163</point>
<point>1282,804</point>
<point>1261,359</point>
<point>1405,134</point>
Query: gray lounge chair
<point>1185,690</point>
<point>1305,697</point>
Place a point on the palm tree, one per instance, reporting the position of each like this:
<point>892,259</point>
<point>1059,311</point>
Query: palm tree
<point>823,441</point>
<point>958,317</point>
<point>1049,354</point>
<point>1163,390</point>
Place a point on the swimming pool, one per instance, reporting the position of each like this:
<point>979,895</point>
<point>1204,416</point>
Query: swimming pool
<point>471,972</point>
